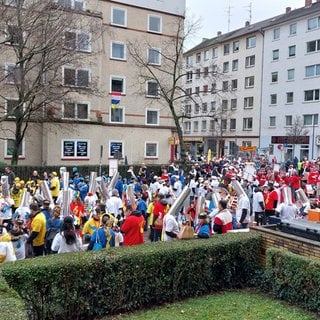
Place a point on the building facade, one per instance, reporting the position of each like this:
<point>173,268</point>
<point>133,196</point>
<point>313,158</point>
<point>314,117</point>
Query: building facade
<point>255,90</point>
<point>107,109</point>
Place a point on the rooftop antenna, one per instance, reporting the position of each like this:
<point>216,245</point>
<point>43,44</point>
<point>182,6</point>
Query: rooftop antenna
<point>250,11</point>
<point>229,15</point>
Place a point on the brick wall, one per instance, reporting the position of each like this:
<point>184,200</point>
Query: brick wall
<point>273,238</point>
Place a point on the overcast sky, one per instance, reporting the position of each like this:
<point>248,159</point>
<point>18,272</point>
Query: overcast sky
<point>214,14</point>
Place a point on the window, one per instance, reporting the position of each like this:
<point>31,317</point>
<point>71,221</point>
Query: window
<point>225,85</point>
<point>233,104</point>
<point>189,76</point>
<point>188,92</point>
<point>187,110</point>
<point>75,149</point>
<point>206,71</point>
<point>226,49</point>
<point>152,117</point>
<point>311,95</point>
<point>187,126</point>
<point>12,74</point>
<point>293,29</point>
<point>275,54</point>
<point>154,24</point>
<point>235,65</point>
<point>250,61</point>
<point>116,115</point>
<point>203,125</point>
<point>197,108</point>
<point>214,88</point>
<point>224,105</point>
<point>205,89</point>
<point>214,68</point>
<point>118,50</point>
<point>204,107</point>
<point>290,74</point>
<point>251,42</point>
<point>276,34</point>
<point>292,51</point>
<point>247,123</point>
<point>313,23</point>
<point>310,119</point>
<point>117,84</point>
<point>198,72</point>
<point>198,57</point>
<point>76,77</point>
<point>272,121</point>
<point>288,120</point>
<point>223,124</point>
<point>212,125</point>
<point>154,56</point>
<point>213,106</point>
<point>206,55</point>
<point>234,84</point>
<point>289,97</point>
<point>119,17</point>
<point>13,109</point>
<point>226,67</point>
<point>248,102</point>
<point>77,40</point>
<point>152,89</point>
<point>233,124</point>
<point>274,77</point>
<point>72,4</point>
<point>235,46</point>
<point>78,111</point>
<point>14,3</point>
<point>273,98</point>
<point>313,70</point>
<point>249,82</point>
<point>195,126</point>
<point>9,146</point>
<point>215,53</point>
<point>13,35</point>
<point>189,61</point>
<point>313,46</point>
<point>197,90</point>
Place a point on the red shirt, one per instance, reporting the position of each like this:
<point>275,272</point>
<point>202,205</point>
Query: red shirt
<point>159,210</point>
<point>133,230</point>
<point>269,203</point>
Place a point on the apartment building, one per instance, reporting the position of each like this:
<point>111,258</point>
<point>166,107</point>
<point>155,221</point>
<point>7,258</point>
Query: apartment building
<point>290,91</point>
<point>263,86</point>
<point>107,109</point>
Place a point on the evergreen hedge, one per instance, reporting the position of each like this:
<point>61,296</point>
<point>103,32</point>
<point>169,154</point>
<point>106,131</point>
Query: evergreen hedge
<point>87,285</point>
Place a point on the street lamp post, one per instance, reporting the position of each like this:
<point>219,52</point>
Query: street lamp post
<point>314,118</point>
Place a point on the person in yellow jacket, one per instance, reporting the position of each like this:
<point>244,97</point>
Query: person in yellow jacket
<point>38,230</point>
<point>16,193</point>
<point>54,185</point>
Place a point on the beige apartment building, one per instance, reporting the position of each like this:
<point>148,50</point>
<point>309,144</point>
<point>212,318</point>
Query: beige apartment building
<point>101,103</point>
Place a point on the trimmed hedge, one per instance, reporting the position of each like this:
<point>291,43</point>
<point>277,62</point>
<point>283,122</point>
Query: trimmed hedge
<point>293,278</point>
<point>11,305</point>
<point>87,285</point>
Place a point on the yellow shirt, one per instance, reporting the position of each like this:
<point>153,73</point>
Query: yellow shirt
<point>38,224</point>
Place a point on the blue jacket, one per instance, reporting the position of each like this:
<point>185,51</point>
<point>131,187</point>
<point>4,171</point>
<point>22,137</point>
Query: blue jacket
<point>102,237</point>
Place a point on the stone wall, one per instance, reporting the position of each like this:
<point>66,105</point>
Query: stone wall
<point>274,238</point>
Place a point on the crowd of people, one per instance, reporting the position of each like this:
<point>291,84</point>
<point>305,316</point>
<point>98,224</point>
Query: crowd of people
<point>222,196</point>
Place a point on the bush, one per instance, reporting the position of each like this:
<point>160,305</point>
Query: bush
<point>293,278</point>
<point>87,285</point>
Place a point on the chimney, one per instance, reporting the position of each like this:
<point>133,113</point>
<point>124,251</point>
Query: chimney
<point>219,33</point>
<point>288,9</point>
<point>204,39</point>
<point>247,24</point>
<point>308,3</point>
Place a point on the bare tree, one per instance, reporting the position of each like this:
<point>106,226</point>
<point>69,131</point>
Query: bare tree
<point>170,76</point>
<point>45,45</point>
<point>296,131</point>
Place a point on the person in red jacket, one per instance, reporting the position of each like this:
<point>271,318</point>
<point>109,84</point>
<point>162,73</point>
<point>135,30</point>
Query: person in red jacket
<point>133,227</point>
